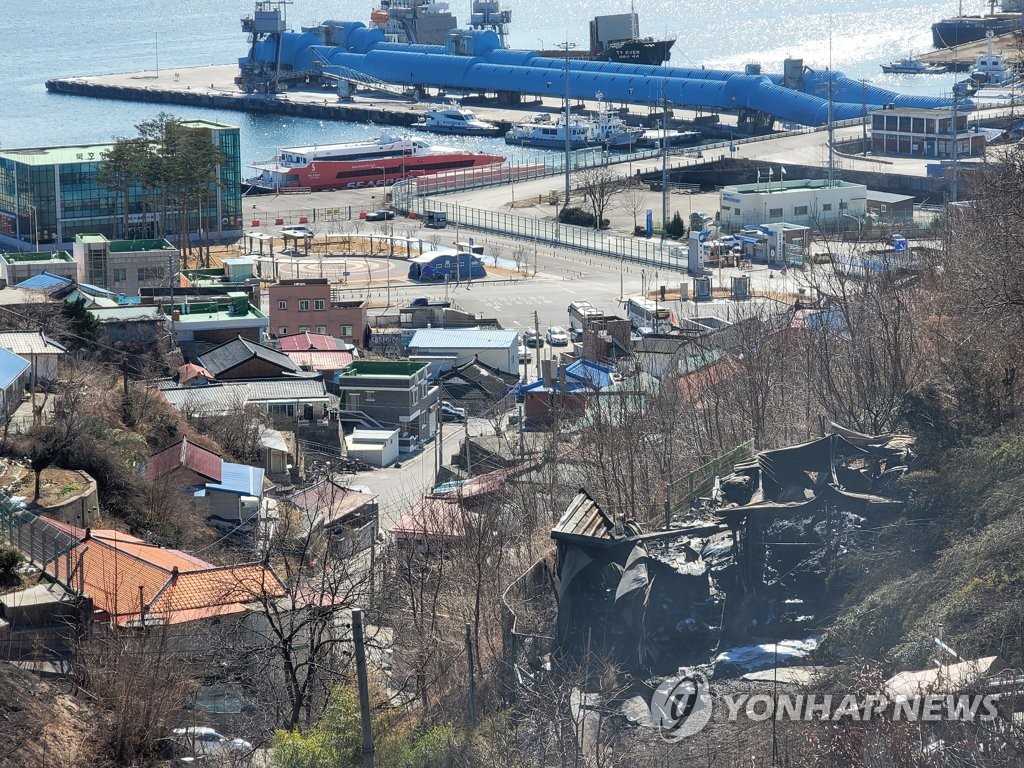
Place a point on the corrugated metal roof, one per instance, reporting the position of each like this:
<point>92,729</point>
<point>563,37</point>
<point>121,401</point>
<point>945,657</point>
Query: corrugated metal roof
<point>283,390</point>
<point>184,454</point>
<point>469,338</point>
<point>321,360</point>
<point>305,340</point>
<point>239,478</point>
<point>127,314</point>
<point>30,343</point>
<point>44,281</point>
<point>11,367</point>
<point>216,399</point>
<point>583,517</point>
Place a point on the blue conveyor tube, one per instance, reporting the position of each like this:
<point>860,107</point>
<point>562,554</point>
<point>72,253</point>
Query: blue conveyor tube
<point>527,73</point>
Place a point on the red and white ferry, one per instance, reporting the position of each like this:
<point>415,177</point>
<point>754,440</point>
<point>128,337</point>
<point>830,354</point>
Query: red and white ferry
<point>358,164</point>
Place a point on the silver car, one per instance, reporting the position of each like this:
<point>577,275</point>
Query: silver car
<point>557,337</point>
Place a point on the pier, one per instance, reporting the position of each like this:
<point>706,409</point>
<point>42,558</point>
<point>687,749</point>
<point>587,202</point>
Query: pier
<point>960,58</point>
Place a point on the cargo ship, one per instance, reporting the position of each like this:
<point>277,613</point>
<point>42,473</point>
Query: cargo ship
<point>617,38</point>
<point>359,164</point>
<point>966,29</point>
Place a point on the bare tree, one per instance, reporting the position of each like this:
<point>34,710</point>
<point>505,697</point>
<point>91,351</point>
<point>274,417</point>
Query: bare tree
<point>633,200</point>
<point>599,185</point>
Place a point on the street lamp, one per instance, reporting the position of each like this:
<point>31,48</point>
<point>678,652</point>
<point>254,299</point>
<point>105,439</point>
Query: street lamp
<point>35,225</point>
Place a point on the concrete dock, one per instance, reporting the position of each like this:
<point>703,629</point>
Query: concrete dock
<point>960,58</point>
<point>214,87</point>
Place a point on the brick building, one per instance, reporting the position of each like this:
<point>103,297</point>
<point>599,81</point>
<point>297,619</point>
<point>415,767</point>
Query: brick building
<point>300,306</point>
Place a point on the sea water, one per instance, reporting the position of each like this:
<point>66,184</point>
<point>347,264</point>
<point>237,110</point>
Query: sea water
<point>61,38</point>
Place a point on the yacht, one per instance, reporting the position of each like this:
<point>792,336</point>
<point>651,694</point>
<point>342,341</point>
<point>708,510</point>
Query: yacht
<point>911,67</point>
<point>603,129</point>
<point>455,121</point>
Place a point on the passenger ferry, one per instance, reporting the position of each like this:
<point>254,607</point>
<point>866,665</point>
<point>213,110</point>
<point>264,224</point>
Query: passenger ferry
<point>357,164</point>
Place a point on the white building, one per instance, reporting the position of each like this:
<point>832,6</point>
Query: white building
<point>39,349</point>
<point>454,347</point>
<point>811,202</point>
<point>377,447</point>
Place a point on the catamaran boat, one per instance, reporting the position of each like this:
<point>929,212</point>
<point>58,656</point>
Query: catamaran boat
<point>912,67</point>
<point>455,121</point>
<point>603,129</point>
<point>357,164</point>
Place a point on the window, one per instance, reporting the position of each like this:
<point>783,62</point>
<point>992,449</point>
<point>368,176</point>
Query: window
<point>303,329</point>
<point>321,329</point>
<point>774,213</point>
<point>318,305</point>
<point>120,275</point>
<point>884,208</point>
<point>800,210</point>
<point>150,273</point>
<point>282,331</point>
<point>826,207</point>
<point>843,206</point>
<point>282,304</point>
<point>369,398</point>
<point>303,305</point>
<point>346,330</point>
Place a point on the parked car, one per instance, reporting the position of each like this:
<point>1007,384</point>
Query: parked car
<point>420,301</point>
<point>451,412</point>
<point>533,339</point>
<point>524,354</point>
<point>201,741</point>
<point>557,336</point>
<point>381,215</point>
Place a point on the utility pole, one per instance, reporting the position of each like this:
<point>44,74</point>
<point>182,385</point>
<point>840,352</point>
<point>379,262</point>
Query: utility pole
<point>536,330</point>
<point>364,690</point>
<point>864,116</point>
<point>468,465</point>
<point>472,675</point>
<point>664,168</point>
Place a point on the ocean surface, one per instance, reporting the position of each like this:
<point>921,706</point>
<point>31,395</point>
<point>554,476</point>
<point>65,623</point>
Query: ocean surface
<point>61,38</point>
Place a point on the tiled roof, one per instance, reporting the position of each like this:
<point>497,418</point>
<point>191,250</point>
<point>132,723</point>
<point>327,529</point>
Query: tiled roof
<point>468,338</point>
<point>476,380</point>
<point>219,399</point>
<point>11,367</point>
<point>233,353</point>
<point>30,343</point>
<point>301,341</point>
<point>129,578</point>
<point>188,455</point>
<point>321,360</point>
<point>190,371</point>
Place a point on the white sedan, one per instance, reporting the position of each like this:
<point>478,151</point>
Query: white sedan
<point>557,337</point>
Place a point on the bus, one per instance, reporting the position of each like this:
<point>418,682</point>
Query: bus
<point>581,313</point>
<point>647,316</point>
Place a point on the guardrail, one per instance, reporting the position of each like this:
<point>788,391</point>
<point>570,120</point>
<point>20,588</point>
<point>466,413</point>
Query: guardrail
<point>686,488</point>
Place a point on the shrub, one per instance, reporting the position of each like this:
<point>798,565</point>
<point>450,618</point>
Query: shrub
<point>577,216</point>
<point>676,226</point>
<point>10,559</point>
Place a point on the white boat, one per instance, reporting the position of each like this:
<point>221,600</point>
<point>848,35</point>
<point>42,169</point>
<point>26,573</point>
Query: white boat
<point>603,129</point>
<point>989,69</point>
<point>455,121</point>
<point>911,67</point>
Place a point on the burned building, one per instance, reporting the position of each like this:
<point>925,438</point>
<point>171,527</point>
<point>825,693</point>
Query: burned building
<point>749,561</point>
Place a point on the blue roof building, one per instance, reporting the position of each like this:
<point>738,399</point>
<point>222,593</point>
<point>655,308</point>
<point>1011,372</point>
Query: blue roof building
<point>14,377</point>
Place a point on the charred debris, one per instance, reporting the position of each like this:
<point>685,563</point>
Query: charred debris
<point>748,562</point>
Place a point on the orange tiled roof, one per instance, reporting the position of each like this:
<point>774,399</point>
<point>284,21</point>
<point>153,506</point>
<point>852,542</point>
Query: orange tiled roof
<point>175,587</point>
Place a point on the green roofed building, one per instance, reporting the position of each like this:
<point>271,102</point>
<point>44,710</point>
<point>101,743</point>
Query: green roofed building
<point>379,394</point>
<point>125,266</point>
<point>21,265</point>
<point>50,195</point>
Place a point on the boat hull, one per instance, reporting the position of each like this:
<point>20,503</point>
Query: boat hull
<point>957,31</point>
<point>650,52</point>
<point>359,174</point>
<point>446,130</point>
